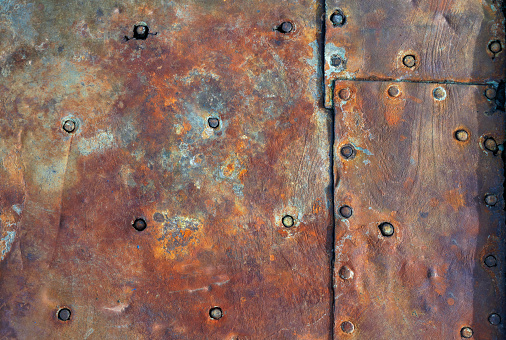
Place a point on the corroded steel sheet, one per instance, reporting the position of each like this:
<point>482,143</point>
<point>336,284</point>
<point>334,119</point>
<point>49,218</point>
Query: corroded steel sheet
<point>450,40</point>
<point>142,147</point>
<point>421,158</point>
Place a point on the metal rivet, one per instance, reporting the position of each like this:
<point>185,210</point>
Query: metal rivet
<point>69,126</point>
<point>139,224</point>
<point>409,61</point>
<point>494,319</point>
<point>141,32</point>
<point>490,261</point>
<point>346,211</point>
<point>285,27</point>
<point>394,91</point>
<point>288,221</point>
<point>490,144</point>
<point>461,135</point>
<point>345,94</point>
<point>387,229</point>
<point>439,93</point>
<point>216,313</point>
<point>348,151</point>
<point>336,61</point>
<point>64,314</point>
<point>345,273</point>
<point>490,93</point>
<point>491,200</point>
<point>338,18</point>
<point>466,332</point>
<point>213,122</point>
<point>347,327</point>
<point>495,46</point>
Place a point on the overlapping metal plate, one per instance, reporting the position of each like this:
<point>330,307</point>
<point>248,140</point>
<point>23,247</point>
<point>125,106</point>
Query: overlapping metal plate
<point>429,279</point>
<point>213,199</point>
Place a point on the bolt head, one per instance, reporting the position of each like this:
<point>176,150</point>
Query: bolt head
<point>346,211</point>
<point>216,313</point>
<point>141,32</point>
<point>491,200</point>
<point>386,229</point>
<point>439,93</point>
<point>338,18</point>
<point>394,91</point>
<point>285,27</point>
<point>495,46</point>
<point>409,61</point>
<point>494,319</point>
<point>461,135</point>
<point>69,126</point>
<point>347,327</point>
<point>490,261</point>
<point>490,144</point>
<point>336,61</point>
<point>64,314</point>
<point>214,123</point>
<point>139,224</point>
<point>466,332</point>
<point>346,273</point>
<point>348,152</point>
<point>345,94</point>
<point>490,93</point>
<point>288,221</point>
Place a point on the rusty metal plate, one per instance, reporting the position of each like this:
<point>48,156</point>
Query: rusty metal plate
<point>444,41</point>
<point>102,124</point>
<point>419,203</point>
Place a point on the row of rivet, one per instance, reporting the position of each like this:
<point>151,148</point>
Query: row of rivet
<point>63,314</point>
<point>70,125</point>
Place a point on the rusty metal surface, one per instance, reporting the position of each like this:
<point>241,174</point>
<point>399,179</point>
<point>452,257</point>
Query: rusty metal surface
<point>139,145</point>
<point>450,40</point>
<point>419,162</point>
<point>167,170</point>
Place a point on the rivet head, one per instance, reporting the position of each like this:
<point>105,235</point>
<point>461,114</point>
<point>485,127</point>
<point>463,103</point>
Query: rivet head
<point>69,126</point>
<point>490,144</point>
<point>348,152</point>
<point>216,313</point>
<point>387,229</point>
<point>409,61</point>
<point>288,221</point>
<point>439,93</point>
<point>64,314</point>
<point>346,211</point>
<point>338,18</point>
<point>495,46</point>
<point>494,319</point>
<point>461,135</point>
<point>394,91</point>
<point>336,60</point>
<point>345,94</point>
<point>347,327</point>
<point>213,122</point>
<point>466,332</point>
<point>490,93</point>
<point>139,224</point>
<point>491,200</point>
<point>141,32</point>
<point>285,27</point>
<point>345,273</point>
<point>490,261</point>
